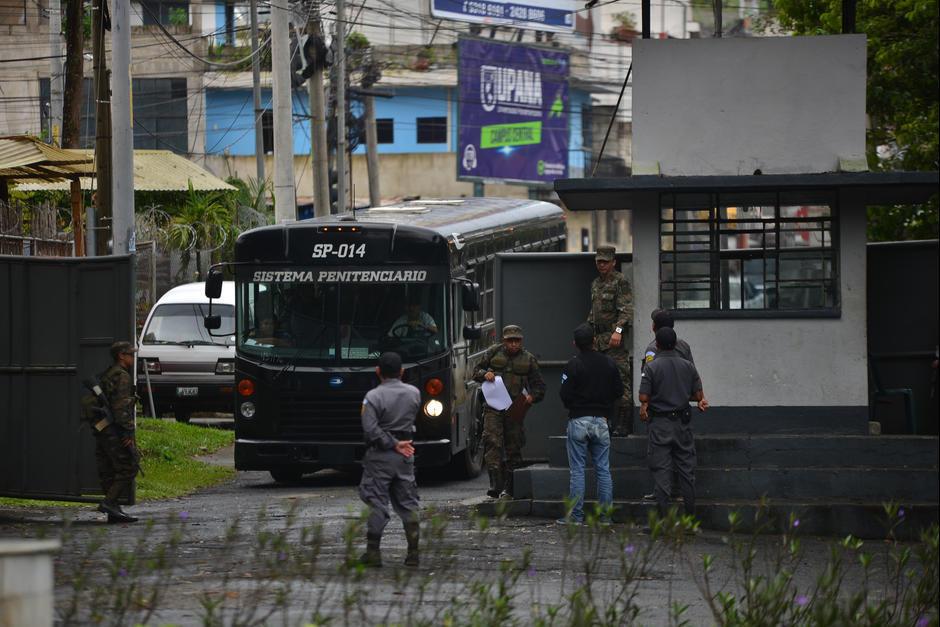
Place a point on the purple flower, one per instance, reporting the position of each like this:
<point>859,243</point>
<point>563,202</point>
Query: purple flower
<point>184,515</point>
<point>923,621</point>
<point>802,600</point>
<point>796,522</point>
<point>531,571</point>
<point>629,549</point>
<point>122,572</point>
<point>901,513</point>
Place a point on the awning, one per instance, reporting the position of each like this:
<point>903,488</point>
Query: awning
<point>154,171</point>
<point>22,156</point>
<point>880,188</point>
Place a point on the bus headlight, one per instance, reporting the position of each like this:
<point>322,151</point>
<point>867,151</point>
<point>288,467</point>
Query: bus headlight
<point>247,409</point>
<point>434,408</point>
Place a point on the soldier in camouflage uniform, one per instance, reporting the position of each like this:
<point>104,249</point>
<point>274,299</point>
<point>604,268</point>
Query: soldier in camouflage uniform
<point>115,445</point>
<point>503,436</point>
<point>611,316</point>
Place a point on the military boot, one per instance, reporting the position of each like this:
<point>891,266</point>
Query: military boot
<point>496,484</point>
<point>507,486</point>
<point>412,533</point>
<point>373,555</point>
<point>115,513</point>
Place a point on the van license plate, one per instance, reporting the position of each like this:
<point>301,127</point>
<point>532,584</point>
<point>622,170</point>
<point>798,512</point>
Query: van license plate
<point>187,391</point>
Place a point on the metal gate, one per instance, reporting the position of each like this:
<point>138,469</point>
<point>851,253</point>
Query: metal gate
<point>548,295</point>
<point>58,317</point>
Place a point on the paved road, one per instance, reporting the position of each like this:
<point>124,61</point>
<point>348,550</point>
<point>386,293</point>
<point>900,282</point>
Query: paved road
<point>290,545</point>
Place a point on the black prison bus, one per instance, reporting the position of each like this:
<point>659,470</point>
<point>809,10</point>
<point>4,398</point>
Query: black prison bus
<point>317,301</point>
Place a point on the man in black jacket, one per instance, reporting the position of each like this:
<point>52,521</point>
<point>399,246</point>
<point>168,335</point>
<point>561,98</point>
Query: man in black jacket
<point>590,385</point>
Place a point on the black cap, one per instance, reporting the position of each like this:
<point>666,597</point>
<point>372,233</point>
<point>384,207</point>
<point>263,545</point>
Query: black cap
<point>390,365</point>
<point>666,338</point>
<point>583,335</point>
<point>121,347</point>
<point>662,318</point>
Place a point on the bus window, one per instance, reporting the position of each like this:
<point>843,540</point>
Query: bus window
<point>344,322</point>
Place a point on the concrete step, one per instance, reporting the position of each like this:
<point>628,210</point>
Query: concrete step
<point>804,451</point>
<point>541,482</point>
<point>838,518</point>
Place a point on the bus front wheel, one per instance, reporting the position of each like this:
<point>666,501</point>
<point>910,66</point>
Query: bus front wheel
<point>286,475</point>
<point>469,462</point>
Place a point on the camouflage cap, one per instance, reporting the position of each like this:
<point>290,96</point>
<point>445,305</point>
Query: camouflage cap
<point>606,253</point>
<point>511,331</point>
<point>121,347</point>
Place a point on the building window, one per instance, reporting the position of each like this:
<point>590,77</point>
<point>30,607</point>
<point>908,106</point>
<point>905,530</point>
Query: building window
<point>267,131</point>
<point>385,129</point>
<point>160,113</point>
<point>432,130</point>
<point>168,13</point>
<point>772,252</point>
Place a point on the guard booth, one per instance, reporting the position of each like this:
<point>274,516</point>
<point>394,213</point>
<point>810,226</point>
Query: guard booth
<point>58,318</point>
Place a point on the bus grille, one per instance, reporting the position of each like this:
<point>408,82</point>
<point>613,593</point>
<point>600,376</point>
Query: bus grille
<point>333,418</point>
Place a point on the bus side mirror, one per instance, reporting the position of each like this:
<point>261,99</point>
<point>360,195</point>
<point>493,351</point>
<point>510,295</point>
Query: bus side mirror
<point>212,322</point>
<point>472,333</point>
<point>214,284</point>
<point>470,295</point>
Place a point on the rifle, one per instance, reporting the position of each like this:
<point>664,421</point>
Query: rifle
<point>101,408</point>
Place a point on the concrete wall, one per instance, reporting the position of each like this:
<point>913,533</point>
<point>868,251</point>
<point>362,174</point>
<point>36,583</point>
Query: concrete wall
<point>731,106</point>
<point>430,175</point>
<point>759,362</point>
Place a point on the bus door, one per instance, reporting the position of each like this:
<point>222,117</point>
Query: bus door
<point>548,295</point>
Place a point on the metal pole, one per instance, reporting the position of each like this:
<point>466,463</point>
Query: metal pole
<point>340,106</point>
<point>319,151</point>
<point>56,75</point>
<point>102,195</point>
<point>372,152</point>
<point>122,132</point>
<point>256,95</point>
<point>285,206</point>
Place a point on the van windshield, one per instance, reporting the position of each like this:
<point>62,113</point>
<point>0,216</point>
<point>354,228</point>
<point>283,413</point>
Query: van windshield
<point>183,324</point>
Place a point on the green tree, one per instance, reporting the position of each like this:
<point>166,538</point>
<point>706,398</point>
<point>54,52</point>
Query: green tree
<point>902,99</point>
<point>203,224</point>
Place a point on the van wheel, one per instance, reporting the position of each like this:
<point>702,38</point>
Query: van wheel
<point>286,475</point>
<point>182,416</point>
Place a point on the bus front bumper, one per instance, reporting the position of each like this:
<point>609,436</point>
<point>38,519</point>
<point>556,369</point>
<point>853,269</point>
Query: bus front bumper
<point>275,454</point>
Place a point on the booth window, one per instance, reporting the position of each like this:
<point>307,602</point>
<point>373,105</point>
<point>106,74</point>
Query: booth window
<point>768,252</point>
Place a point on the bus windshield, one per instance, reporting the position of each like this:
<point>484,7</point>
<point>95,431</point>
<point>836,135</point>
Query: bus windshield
<point>340,322</point>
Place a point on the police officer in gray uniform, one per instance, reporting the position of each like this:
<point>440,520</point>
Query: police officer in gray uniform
<point>388,470</point>
<point>662,318</point>
<point>666,386</point>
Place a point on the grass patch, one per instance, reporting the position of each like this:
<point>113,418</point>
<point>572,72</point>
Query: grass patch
<point>170,470</point>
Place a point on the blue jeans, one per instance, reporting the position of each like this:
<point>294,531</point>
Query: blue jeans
<point>584,434</point>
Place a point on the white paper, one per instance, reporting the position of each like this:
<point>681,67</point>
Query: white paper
<point>496,394</point>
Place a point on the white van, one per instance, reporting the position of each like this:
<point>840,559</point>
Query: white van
<point>188,370</point>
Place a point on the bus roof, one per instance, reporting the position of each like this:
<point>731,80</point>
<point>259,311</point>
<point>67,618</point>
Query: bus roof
<point>464,217</point>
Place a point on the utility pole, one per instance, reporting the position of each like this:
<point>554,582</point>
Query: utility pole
<point>340,88</point>
<point>372,151</point>
<point>102,130</point>
<point>56,78</point>
<point>256,95</point>
<point>319,151</point>
<point>122,134</point>
<point>74,74</point>
<point>285,205</point>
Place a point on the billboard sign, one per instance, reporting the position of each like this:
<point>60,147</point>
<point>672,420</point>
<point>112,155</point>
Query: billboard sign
<point>546,15</point>
<point>512,113</point>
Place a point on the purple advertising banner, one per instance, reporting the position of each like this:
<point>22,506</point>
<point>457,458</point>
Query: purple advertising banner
<point>513,113</point>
